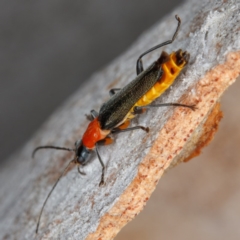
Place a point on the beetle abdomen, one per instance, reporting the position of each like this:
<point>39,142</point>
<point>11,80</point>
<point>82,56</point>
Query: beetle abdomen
<point>171,69</point>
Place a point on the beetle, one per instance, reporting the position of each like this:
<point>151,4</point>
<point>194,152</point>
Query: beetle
<point>124,104</point>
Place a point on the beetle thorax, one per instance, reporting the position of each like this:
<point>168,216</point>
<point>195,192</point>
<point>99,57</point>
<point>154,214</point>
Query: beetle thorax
<point>93,134</point>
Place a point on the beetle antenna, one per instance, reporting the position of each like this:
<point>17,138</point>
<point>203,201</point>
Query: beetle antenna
<point>49,194</point>
<point>53,147</point>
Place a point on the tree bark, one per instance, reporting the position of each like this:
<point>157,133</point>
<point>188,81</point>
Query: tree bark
<point>79,208</point>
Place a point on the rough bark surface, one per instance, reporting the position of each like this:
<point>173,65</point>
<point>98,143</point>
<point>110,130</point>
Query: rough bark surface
<point>79,208</point>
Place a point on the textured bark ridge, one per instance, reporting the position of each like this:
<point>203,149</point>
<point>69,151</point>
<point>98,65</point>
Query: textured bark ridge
<point>79,208</point>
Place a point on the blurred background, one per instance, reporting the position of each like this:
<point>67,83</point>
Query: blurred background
<point>47,50</point>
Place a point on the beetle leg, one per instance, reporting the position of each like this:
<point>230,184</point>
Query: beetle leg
<point>138,110</point>
<point>103,166</point>
<point>139,65</point>
<point>123,128</point>
<point>118,130</point>
<point>113,91</point>
<point>124,125</point>
<point>105,141</point>
<point>80,171</point>
<point>93,114</point>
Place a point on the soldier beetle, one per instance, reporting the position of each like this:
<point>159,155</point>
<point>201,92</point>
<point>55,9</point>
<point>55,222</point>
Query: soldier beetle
<point>124,104</point>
